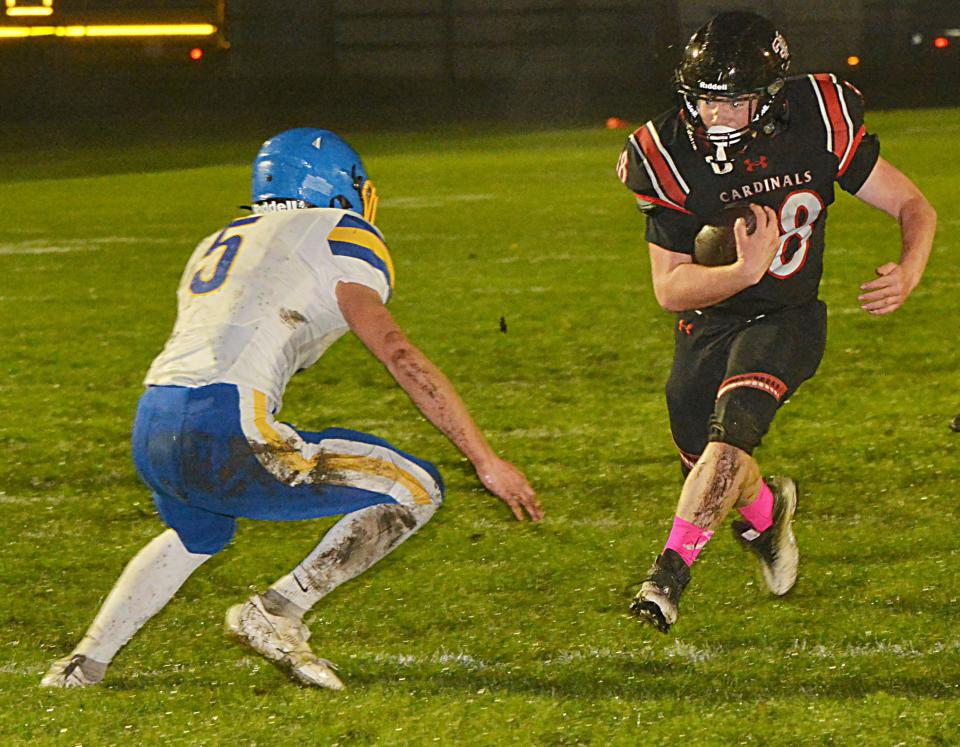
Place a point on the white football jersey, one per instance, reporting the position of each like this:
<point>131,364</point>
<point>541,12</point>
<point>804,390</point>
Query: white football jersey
<point>257,300</point>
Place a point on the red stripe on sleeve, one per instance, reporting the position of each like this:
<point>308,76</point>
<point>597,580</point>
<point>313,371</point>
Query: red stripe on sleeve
<point>662,203</point>
<point>853,149</point>
<point>668,182</point>
<point>831,99</point>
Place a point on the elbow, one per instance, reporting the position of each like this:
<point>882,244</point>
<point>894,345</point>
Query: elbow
<point>667,301</point>
<point>402,358</point>
<point>674,308</point>
<point>397,348</point>
<point>920,210</point>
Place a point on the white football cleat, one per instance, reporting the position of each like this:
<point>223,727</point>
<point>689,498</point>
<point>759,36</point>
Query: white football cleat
<point>281,640</point>
<point>775,546</point>
<point>75,670</point>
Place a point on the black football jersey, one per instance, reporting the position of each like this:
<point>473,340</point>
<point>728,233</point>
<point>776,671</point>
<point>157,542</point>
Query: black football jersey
<point>681,184</point>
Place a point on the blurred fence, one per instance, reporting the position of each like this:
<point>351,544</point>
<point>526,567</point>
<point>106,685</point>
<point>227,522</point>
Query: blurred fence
<point>406,61</point>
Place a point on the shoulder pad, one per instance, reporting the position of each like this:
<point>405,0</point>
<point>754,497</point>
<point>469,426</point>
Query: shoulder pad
<point>840,107</point>
<point>648,167</point>
<point>357,238</point>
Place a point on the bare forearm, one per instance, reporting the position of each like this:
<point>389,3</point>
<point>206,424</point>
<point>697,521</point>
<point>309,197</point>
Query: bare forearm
<point>435,397</point>
<point>918,223</point>
<point>692,286</point>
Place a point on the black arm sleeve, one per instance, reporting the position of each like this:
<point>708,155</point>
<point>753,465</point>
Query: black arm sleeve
<point>672,230</point>
<point>867,151</point>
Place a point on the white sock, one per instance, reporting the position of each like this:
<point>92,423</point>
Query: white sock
<point>351,546</point>
<point>148,582</point>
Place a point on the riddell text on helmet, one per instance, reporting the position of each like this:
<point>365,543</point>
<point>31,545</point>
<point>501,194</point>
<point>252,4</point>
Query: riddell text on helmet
<point>714,86</point>
<point>767,184</point>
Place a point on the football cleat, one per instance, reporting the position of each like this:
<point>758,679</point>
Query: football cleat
<point>283,641</point>
<point>75,670</point>
<point>658,601</point>
<point>775,546</point>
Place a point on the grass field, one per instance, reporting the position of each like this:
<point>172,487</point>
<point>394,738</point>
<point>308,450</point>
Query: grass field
<point>480,630</point>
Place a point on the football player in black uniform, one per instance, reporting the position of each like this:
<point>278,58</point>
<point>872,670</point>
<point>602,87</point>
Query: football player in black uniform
<point>749,333</point>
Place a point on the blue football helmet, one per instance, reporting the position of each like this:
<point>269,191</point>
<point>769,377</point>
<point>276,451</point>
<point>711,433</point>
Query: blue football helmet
<point>307,167</point>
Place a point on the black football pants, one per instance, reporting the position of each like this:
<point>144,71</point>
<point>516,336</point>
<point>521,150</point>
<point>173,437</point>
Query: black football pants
<point>731,373</point>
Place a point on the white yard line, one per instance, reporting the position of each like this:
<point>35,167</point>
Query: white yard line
<point>435,201</point>
<point>73,245</point>
<point>26,500</point>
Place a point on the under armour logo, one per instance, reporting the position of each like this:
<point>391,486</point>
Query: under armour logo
<point>686,327</point>
<point>760,163</point>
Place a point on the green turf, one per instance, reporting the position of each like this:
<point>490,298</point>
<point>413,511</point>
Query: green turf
<point>480,630</point>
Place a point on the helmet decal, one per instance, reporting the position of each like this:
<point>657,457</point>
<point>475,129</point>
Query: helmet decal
<point>779,46</point>
<point>317,183</point>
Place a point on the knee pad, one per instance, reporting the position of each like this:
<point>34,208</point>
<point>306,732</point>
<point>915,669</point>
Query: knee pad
<point>742,417</point>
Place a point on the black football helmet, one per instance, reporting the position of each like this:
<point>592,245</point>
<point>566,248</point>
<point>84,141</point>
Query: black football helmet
<point>734,55</point>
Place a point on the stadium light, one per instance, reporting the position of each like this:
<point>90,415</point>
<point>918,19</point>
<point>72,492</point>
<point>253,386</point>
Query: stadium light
<point>178,29</point>
<point>119,31</point>
<point>44,9</point>
<point>35,10</point>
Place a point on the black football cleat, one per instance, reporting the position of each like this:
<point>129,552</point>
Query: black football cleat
<point>658,601</point>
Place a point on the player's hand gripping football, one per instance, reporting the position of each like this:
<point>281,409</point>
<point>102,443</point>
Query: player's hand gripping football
<point>755,250</point>
<point>509,485</point>
<point>888,292</point>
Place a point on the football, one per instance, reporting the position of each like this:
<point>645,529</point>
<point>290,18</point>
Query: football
<point>715,244</point>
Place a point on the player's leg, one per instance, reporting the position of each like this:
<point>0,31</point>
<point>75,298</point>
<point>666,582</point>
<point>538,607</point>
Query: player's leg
<point>155,573</point>
<point>144,587</point>
<point>701,344</point>
<point>768,364</point>
<point>350,547</point>
<point>272,623</point>
<point>386,494</point>
<point>701,350</point>
<point>768,359</point>
<point>723,475</point>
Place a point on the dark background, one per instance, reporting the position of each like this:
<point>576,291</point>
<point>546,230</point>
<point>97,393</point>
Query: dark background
<point>406,63</point>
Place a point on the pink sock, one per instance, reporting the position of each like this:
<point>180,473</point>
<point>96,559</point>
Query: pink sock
<point>687,539</point>
<point>759,512</point>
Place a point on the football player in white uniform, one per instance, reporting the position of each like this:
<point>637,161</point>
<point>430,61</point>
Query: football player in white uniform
<point>259,301</point>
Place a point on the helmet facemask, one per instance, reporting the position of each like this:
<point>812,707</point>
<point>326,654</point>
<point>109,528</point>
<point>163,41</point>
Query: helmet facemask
<point>366,196</point>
